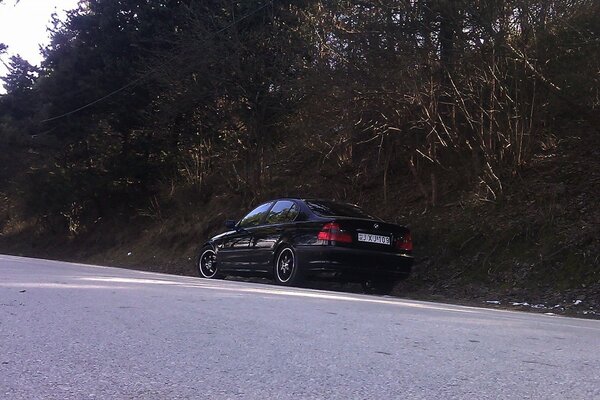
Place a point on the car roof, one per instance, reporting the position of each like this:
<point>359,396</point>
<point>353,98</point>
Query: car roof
<point>310,199</point>
<point>307,199</point>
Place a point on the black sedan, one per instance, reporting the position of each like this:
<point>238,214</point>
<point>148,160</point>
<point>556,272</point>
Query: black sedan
<point>290,240</point>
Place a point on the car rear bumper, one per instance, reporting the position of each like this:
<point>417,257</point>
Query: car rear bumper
<point>352,264</point>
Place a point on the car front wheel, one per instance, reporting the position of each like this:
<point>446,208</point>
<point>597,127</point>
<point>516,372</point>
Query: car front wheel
<point>207,264</point>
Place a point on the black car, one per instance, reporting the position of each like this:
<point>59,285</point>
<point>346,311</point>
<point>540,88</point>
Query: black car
<point>291,240</point>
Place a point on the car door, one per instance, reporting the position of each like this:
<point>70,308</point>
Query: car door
<point>266,236</point>
<point>235,252</point>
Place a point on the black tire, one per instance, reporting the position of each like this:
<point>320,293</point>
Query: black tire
<point>378,286</point>
<point>285,268</point>
<point>207,264</point>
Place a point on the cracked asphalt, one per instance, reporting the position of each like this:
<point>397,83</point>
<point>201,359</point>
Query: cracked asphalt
<point>73,331</point>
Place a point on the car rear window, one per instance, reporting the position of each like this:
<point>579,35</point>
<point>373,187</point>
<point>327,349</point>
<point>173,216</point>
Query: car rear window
<point>332,209</point>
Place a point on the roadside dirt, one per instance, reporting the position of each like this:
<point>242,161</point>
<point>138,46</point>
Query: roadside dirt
<point>536,248</point>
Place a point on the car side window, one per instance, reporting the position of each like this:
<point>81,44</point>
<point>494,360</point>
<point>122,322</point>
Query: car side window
<point>254,217</point>
<point>293,213</point>
<point>283,211</point>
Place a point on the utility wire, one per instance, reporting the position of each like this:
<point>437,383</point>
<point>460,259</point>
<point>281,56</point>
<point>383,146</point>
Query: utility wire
<point>147,74</point>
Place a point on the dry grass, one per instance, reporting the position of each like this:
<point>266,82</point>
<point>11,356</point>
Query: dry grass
<point>539,243</point>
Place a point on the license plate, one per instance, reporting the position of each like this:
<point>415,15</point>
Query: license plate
<point>369,238</point>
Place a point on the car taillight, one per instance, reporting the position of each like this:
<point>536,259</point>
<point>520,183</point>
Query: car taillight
<point>332,231</point>
<point>405,243</point>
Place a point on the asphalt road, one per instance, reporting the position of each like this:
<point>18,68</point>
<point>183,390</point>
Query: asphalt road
<point>72,331</point>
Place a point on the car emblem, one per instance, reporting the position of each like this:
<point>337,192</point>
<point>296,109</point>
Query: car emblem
<point>376,226</point>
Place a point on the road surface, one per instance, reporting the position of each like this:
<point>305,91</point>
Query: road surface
<point>72,331</point>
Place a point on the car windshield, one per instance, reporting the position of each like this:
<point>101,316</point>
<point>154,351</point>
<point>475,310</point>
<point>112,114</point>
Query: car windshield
<point>254,217</point>
<point>332,209</point>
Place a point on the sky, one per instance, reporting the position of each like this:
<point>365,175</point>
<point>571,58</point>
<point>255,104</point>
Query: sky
<point>23,26</point>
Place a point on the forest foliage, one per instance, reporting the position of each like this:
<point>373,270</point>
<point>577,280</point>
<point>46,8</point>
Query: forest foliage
<point>138,102</point>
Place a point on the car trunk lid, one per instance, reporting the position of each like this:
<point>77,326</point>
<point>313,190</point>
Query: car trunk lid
<point>372,235</point>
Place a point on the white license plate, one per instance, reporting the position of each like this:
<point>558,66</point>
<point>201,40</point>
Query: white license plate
<point>369,238</point>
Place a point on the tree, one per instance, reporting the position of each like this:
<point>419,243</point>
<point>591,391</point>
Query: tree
<point>21,76</point>
<point>145,98</point>
<point>104,152</point>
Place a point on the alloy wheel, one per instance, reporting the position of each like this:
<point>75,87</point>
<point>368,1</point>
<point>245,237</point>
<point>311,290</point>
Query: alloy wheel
<point>285,265</point>
<point>208,264</point>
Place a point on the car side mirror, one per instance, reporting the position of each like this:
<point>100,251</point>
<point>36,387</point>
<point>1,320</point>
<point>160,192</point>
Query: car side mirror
<point>230,224</point>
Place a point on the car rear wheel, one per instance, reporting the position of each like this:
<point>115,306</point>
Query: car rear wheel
<point>286,267</point>
<point>378,286</point>
<point>207,264</point>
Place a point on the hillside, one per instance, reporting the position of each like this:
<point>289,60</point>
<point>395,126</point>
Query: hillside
<point>538,245</point>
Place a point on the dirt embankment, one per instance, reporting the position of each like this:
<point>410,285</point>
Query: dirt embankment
<point>535,248</point>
